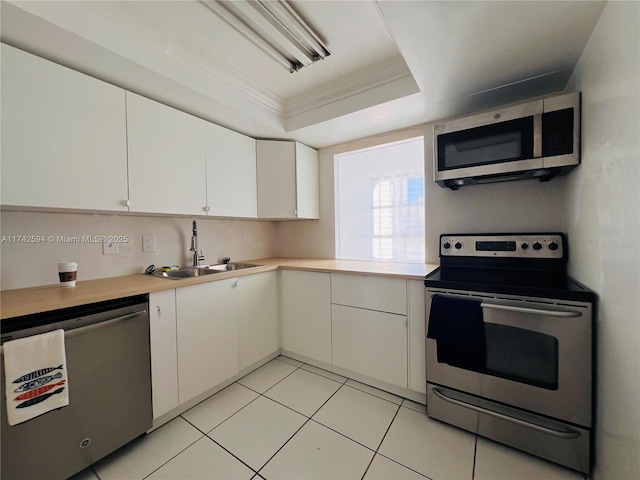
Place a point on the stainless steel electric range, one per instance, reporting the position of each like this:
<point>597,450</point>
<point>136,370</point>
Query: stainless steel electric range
<point>509,344</point>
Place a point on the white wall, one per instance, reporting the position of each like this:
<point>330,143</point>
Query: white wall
<point>313,238</point>
<point>603,218</point>
<point>28,265</point>
<point>524,206</point>
<point>500,207</point>
<point>597,204</point>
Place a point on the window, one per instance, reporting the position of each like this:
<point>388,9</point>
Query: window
<point>380,202</point>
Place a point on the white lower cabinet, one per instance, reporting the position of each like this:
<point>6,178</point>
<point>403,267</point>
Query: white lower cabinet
<point>164,355</point>
<point>370,343</point>
<point>257,317</point>
<point>417,336</point>
<point>369,326</point>
<point>306,314</point>
<point>207,336</point>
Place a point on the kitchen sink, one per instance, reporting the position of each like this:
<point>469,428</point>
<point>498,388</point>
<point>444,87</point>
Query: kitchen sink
<point>229,267</point>
<point>185,272</point>
<point>203,270</point>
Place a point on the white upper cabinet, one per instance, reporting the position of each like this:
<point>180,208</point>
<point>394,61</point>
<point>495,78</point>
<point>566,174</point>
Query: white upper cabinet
<point>63,137</point>
<point>288,185</point>
<point>231,173</point>
<point>167,172</point>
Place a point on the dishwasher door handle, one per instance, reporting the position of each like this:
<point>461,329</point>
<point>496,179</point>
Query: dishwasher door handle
<point>105,323</point>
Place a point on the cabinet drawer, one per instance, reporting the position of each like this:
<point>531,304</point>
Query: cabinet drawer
<point>374,293</point>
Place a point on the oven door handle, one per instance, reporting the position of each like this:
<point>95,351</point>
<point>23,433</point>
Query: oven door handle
<point>568,433</point>
<point>532,311</point>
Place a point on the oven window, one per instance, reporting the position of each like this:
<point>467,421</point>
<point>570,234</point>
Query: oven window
<point>522,355</point>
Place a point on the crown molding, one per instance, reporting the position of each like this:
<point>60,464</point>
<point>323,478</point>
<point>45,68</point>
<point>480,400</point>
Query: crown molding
<point>375,76</point>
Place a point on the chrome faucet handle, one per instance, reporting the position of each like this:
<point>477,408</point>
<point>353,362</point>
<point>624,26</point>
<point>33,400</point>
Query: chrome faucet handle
<point>226,260</point>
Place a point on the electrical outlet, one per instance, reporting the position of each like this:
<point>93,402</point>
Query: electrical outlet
<point>247,239</point>
<point>110,248</point>
<point>148,243</point>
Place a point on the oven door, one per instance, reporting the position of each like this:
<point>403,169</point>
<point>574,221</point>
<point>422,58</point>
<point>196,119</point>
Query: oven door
<point>538,355</point>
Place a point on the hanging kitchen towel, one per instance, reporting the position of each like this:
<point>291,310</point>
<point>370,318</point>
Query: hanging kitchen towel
<point>35,370</point>
<point>457,326</point>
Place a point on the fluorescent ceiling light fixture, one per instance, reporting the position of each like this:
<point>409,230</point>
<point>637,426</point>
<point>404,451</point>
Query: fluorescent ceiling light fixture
<point>275,28</point>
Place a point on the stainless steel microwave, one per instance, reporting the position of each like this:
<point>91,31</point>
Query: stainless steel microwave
<point>538,139</point>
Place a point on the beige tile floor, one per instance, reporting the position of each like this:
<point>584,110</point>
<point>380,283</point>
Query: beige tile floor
<point>289,420</point>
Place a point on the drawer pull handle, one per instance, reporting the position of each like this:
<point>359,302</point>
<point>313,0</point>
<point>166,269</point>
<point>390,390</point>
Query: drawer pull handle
<point>568,433</point>
<point>532,311</point>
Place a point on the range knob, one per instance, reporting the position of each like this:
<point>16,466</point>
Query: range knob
<point>446,245</point>
<point>524,246</point>
<point>553,246</point>
<point>458,245</point>
<point>537,246</point>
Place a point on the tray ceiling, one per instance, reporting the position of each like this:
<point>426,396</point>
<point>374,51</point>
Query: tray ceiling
<point>393,63</point>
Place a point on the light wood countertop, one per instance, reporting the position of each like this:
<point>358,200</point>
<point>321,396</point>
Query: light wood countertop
<point>25,301</point>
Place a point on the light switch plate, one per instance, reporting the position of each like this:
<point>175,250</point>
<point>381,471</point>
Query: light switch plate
<point>148,243</point>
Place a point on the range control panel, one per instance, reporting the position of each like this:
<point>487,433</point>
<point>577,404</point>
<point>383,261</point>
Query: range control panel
<point>534,245</point>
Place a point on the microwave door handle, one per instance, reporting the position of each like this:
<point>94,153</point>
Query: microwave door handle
<point>532,311</point>
<point>537,135</point>
<point>568,433</point>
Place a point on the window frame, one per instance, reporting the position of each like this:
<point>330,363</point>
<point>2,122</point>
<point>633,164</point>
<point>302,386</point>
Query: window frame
<point>373,144</point>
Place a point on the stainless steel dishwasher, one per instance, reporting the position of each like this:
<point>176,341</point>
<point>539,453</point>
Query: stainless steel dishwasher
<point>109,378</point>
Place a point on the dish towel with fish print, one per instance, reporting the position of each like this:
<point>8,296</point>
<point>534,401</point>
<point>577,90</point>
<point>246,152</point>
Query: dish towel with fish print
<point>35,371</point>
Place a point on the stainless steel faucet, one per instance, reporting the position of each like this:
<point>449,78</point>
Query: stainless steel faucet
<point>194,246</point>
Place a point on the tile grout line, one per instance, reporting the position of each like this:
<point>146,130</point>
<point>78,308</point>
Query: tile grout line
<point>176,455</point>
<point>308,419</point>
<point>343,384</point>
<point>255,472</point>
<point>286,376</point>
<point>389,458</point>
<point>375,452</point>
<point>475,454</point>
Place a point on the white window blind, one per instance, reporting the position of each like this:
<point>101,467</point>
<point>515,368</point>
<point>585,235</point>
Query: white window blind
<point>380,202</point>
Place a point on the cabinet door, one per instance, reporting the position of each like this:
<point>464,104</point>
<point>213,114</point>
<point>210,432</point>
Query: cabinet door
<point>167,172</point>
<point>417,336</point>
<point>276,179</point>
<point>287,180</point>
<point>63,137</point>
<point>370,343</point>
<point>207,336</point>
<point>307,182</point>
<point>231,173</point>
<point>306,314</point>
<point>164,355</point>
<point>257,317</point>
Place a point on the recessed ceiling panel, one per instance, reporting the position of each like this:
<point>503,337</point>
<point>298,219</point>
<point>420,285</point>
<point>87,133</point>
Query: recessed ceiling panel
<point>393,63</point>
<point>457,50</point>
